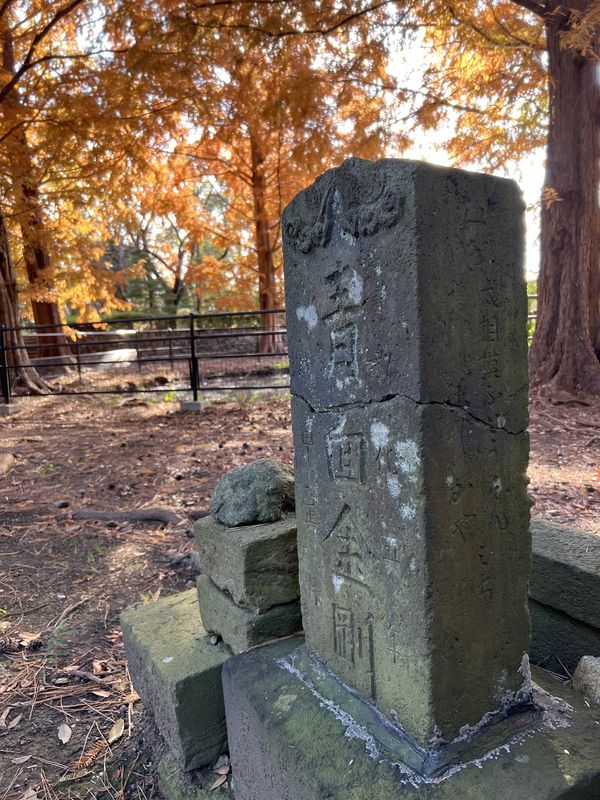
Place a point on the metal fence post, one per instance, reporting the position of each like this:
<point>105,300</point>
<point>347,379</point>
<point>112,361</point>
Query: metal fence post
<point>170,340</point>
<point>193,360</point>
<point>4,370</point>
<point>78,356</point>
<point>137,351</point>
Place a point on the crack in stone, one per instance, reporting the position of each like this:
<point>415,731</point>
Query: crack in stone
<point>388,397</point>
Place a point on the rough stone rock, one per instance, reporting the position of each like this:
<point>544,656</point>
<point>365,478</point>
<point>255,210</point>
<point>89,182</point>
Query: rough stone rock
<point>587,678</point>
<point>258,492</point>
<point>256,564</point>
<point>177,673</point>
<point>240,628</point>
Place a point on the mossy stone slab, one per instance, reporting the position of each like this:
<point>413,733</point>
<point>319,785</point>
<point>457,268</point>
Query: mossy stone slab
<point>242,629</point>
<point>177,673</point>
<point>566,570</point>
<point>256,564</point>
<point>288,742</point>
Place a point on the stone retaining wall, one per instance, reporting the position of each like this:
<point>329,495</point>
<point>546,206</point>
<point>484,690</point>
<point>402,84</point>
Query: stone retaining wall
<point>564,595</point>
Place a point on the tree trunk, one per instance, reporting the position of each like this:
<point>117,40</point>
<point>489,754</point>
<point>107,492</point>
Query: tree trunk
<point>264,250</point>
<point>29,215</point>
<point>17,355</point>
<point>562,359</point>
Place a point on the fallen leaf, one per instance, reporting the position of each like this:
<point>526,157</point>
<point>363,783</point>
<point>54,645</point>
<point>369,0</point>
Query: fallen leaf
<point>21,759</point>
<point>97,667</point>
<point>64,732</point>
<point>219,782</point>
<point>116,731</point>
<point>14,722</point>
<point>3,717</point>
<point>101,693</point>
<point>224,770</point>
<point>28,636</point>
<point>29,795</point>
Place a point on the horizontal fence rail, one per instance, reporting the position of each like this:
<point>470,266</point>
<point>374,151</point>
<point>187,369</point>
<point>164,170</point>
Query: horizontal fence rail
<point>216,352</point>
<point>225,351</point>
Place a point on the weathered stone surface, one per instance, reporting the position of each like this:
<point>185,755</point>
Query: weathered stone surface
<point>587,678</point>
<point>290,742</point>
<point>405,278</point>
<point>240,628</point>
<point>406,317</point>
<point>565,572</point>
<point>256,564</point>
<point>559,641</point>
<point>177,673</point>
<point>258,492</point>
<point>176,785</point>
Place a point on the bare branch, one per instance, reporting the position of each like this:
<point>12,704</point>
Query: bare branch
<point>37,39</point>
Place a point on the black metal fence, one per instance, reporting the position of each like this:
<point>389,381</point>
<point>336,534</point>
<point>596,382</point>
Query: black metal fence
<point>217,352</point>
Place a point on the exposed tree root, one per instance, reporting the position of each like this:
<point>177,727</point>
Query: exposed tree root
<point>139,515</point>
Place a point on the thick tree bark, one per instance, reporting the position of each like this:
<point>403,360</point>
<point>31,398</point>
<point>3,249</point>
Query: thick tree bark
<point>18,357</point>
<point>562,357</point>
<point>29,214</point>
<point>264,249</point>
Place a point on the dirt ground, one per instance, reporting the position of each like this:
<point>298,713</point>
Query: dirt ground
<point>70,722</point>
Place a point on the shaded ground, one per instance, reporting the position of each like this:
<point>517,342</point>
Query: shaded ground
<point>63,583</point>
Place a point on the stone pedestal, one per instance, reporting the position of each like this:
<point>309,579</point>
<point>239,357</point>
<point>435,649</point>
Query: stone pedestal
<point>406,307</point>
<point>177,673</point>
<point>8,409</point>
<point>298,734</point>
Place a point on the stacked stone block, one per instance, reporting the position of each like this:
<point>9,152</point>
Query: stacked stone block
<point>249,593</point>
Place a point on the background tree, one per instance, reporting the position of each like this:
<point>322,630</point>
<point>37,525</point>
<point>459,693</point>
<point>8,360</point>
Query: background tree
<point>266,112</point>
<point>511,75</point>
<point>16,355</point>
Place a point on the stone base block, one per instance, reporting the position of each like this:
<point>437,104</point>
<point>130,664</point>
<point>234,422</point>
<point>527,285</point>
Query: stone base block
<point>176,784</point>
<point>558,641</point>
<point>8,409</point>
<point>289,741</point>
<point>177,673</point>
<point>256,564</point>
<point>190,405</point>
<point>242,629</point>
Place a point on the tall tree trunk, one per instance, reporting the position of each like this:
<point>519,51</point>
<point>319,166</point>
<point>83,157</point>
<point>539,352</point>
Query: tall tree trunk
<point>18,357</point>
<point>562,357</point>
<point>29,214</point>
<point>264,249</point>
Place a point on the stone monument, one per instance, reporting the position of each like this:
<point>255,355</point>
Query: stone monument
<point>407,333</point>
